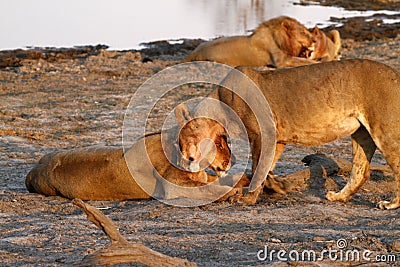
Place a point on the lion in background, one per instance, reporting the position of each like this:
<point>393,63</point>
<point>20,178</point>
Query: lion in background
<point>277,42</point>
<point>100,173</point>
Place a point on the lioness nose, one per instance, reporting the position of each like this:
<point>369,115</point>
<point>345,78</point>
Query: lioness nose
<point>192,153</point>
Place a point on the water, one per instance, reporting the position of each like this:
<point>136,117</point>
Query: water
<point>124,24</point>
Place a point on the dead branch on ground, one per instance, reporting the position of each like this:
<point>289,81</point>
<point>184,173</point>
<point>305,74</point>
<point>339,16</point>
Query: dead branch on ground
<point>121,251</point>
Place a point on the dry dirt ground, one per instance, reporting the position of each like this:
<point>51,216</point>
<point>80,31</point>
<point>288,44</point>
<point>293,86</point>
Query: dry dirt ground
<point>60,99</point>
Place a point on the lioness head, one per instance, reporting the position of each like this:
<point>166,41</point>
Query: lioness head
<point>203,142</point>
<point>327,46</point>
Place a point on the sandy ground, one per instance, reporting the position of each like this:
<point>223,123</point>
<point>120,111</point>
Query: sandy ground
<point>59,100</point>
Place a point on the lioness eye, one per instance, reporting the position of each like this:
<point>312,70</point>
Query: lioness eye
<point>218,144</point>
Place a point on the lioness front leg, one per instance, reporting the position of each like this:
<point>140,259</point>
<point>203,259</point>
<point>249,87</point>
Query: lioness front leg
<point>363,150</point>
<point>251,197</point>
<point>276,183</point>
<point>273,182</point>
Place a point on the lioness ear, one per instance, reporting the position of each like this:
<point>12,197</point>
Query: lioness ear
<point>334,35</point>
<point>315,30</point>
<point>182,114</point>
<point>218,129</point>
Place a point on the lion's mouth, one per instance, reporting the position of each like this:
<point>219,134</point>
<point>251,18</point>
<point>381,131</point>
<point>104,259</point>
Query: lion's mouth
<point>307,51</point>
<point>197,166</point>
<point>194,165</point>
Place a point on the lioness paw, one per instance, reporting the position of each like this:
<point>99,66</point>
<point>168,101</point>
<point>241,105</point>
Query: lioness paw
<point>235,198</point>
<point>332,196</point>
<point>230,196</point>
<point>248,198</point>
<point>386,205</point>
<point>278,184</point>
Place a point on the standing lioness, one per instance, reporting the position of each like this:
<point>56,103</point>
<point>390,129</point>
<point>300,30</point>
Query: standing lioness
<point>317,104</point>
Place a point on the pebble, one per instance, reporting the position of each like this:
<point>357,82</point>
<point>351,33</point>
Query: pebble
<point>275,240</point>
<point>319,239</point>
<point>395,246</point>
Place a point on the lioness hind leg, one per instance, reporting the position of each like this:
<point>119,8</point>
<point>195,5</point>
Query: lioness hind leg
<point>389,205</point>
<point>394,162</point>
<point>363,150</point>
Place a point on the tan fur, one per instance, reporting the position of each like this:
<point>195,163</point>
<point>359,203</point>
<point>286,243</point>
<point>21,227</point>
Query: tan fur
<point>327,46</point>
<point>103,174</point>
<point>320,103</point>
<point>87,173</point>
<point>194,131</point>
<point>277,42</point>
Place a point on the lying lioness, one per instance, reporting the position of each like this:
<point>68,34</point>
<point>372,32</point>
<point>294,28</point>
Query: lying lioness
<point>320,103</point>
<point>327,46</point>
<point>103,173</point>
<point>277,42</point>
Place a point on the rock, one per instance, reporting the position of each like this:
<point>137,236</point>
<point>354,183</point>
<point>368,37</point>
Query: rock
<point>13,58</point>
<point>395,246</point>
